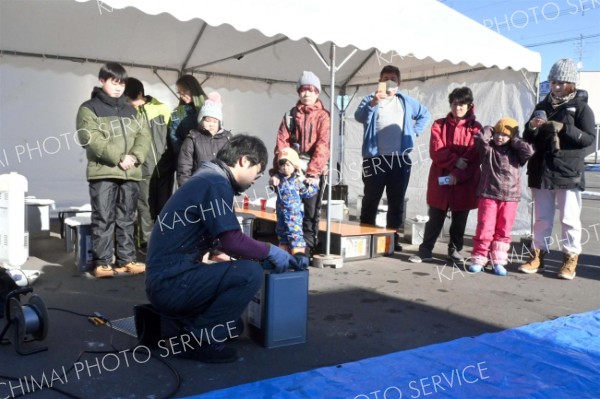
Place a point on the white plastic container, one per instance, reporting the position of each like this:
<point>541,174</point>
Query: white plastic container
<point>14,238</point>
<point>337,210</point>
<point>38,216</point>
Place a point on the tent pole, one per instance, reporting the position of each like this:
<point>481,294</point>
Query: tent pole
<point>362,64</point>
<point>332,69</point>
<point>240,55</point>
<point>82,60</point>
<point>192,49</point>
<point>342,120</point>
<point>165,83</point>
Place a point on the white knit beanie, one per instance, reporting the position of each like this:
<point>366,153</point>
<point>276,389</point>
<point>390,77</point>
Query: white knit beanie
<point>563,70</point>
<point>212,107</point>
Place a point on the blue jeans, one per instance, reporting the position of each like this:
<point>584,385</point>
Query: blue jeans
<point>207,295</point>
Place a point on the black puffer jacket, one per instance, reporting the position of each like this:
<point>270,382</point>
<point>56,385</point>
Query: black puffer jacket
<point>198,146</point>
<point>561,168</point>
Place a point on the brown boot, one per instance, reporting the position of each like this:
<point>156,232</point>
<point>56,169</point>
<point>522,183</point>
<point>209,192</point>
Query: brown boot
<point>104,271</point>
<point>132,268</point>
<point>535,262</point>
<point>567,270</point>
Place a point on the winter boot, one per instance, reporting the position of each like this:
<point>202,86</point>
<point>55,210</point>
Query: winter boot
<point>567,270</point>
<point>535,262</point>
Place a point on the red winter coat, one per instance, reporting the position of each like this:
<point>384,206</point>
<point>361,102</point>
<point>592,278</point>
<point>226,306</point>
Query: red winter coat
<point>312,131</point>
<point>450,140</point>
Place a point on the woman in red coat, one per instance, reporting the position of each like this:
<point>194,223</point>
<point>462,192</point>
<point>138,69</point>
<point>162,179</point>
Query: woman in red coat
<point>453,175</point>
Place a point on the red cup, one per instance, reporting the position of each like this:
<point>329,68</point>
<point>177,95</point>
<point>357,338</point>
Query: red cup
<point>246,202</point>
<point>263,204</point>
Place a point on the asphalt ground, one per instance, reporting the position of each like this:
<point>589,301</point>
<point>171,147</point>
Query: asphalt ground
<point>365,309</point>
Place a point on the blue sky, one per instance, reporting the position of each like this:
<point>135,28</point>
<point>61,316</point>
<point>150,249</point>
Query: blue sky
<point>553,28</point>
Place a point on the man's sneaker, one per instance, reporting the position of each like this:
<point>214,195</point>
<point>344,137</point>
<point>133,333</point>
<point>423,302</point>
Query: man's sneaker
<point>455,256</point>
<point>131,268</point>
<point>210,353</point>
<point>499,270</point>
<point>475,268</point>
<point>421,257</point>
<point>104,271</point>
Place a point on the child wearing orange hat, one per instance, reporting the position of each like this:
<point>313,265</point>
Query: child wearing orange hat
<point>502,155</point>
<point>292,188</point>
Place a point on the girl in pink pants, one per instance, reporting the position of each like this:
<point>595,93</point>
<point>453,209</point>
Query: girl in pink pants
<point>502,154</point>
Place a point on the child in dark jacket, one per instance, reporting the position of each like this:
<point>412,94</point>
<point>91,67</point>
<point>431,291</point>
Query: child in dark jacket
<point>292,188</point>
<point>204,143</point>
<point>502,155</point>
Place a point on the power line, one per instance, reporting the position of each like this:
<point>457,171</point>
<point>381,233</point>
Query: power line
<point>534,16</point>
<point>562,40</point>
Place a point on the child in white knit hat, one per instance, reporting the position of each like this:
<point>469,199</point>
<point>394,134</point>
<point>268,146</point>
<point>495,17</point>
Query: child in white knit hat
<point>203,143</point>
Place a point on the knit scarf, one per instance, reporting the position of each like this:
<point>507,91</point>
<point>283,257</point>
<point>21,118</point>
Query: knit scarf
<point>556,102</point>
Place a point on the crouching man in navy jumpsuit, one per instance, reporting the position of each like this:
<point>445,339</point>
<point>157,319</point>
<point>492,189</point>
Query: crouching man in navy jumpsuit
<point>208,299</point>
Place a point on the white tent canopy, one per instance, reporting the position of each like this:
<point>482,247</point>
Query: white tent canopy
<point>425,37</point>
<point>252,52</point>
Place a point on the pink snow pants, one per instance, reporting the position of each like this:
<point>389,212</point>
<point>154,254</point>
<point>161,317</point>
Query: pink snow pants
<point>492,240</point>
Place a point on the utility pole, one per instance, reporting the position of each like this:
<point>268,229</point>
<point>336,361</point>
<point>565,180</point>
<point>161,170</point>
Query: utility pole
<point>579,50</point>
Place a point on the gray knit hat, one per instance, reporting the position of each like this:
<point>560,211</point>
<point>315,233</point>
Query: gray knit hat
<point>309,78</point>
<point>563,70</point>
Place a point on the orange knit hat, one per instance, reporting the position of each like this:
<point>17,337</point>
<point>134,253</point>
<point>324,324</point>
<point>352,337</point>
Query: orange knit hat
<point>507,126</point>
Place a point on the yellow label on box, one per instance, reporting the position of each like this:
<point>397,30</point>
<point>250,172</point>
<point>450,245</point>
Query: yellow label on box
<point>355,247</point>
<point>381,247</point>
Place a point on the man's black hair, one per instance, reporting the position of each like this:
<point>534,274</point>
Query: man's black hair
<point>241,144</point>
<point>191,84</point>
<point>113,70</point>
<point>463,95</point>
<point>390,69</point>
<point>133,88</point>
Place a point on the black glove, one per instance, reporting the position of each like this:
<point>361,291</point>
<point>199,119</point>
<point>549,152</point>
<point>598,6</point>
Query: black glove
<point>281,259</point>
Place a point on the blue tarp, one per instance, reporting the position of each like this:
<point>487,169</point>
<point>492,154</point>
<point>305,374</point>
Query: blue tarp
<point>553,359</point>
